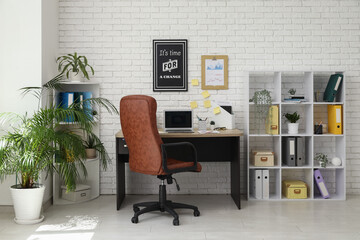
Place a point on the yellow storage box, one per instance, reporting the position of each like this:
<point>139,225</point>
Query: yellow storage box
<point>294,189</point>
<point>262,158</point>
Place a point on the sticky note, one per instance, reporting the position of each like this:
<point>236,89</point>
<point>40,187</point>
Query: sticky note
<point>193,104</point>
<point>207,103</point>
<point>195,82</point>
<point>205,94</point>
<point>217,110</point>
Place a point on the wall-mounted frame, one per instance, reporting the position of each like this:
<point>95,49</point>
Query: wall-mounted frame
<point>214,72</point>
<point>170,65</point>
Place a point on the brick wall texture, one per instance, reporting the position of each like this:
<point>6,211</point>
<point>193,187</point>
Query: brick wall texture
<point>257,35</point>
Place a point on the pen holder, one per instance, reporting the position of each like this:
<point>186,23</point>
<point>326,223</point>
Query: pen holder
<point>202,125</point>
<point>318,129</point>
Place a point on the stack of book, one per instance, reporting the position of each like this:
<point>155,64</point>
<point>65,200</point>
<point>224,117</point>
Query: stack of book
<point>295,99</point>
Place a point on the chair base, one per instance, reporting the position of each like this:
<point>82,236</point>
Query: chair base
<point>163,206</point>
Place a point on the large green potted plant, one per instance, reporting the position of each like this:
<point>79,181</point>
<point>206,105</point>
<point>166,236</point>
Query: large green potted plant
<point>74,66</point>
<point>29,148</point>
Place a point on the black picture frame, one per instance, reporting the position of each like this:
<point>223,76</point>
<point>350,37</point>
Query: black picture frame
<point>170,65</point>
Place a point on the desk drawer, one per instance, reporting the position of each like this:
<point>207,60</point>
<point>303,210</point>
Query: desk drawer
<point>122,147</point>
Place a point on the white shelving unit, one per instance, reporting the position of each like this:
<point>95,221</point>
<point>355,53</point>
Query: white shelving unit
<point>311,111</point>
<point>92,165</point>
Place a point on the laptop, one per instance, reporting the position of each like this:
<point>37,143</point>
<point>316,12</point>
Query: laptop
<point>178,121</point>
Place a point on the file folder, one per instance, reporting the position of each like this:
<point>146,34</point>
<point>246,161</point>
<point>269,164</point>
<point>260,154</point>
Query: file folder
<point>300,156</point>
<point>335,119</point>
<point>289,151</point>
<point>65,100</point>
<point>272,121</point>
<point>256,183</point>
<point>332,87</point>
<point>265,184</point>
<point>320,183</point>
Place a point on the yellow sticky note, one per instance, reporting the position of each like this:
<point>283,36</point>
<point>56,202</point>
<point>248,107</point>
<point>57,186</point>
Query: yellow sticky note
<point>207,103</point>
<point>195,82</point>
<point>217,110</point>
<point>205,94</point>
<point>193,104</point>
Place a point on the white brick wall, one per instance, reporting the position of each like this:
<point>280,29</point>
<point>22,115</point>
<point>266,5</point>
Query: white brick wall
<point>116,36</point>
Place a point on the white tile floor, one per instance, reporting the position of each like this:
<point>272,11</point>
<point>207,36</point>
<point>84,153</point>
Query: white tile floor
<point>220,219</point>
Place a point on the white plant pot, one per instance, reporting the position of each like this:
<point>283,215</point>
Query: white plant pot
<point>293,128</point>
<point>75,77</point>
<point>212,127</point>
<point>90,153</point>
<point>27,204</point>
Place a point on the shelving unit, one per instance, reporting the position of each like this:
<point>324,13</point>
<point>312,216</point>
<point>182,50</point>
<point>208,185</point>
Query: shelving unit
<point>312,85</point>
<point>92,165</point>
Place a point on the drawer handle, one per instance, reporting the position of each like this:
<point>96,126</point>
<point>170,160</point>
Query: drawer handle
<point>264,159</point>
<point>273,127</point>
<point>297,191</point>
<point>83,194</point>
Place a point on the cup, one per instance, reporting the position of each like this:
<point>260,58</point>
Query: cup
<point>202,125</point>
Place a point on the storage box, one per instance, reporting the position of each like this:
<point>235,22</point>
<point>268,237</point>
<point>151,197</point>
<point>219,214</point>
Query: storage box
<point>294,189</point>
<point>81,193</point>
<point>262,158</point>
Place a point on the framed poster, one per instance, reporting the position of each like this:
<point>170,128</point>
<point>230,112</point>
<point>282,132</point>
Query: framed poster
<point>214,72</point>
<point>170,65</point>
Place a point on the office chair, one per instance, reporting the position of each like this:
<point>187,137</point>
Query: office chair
<point>149,155</point>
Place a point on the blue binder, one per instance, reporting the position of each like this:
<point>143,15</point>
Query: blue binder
<point>65,100</point>
<point>87,105</point>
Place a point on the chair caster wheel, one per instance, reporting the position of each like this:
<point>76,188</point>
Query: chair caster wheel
<point>196,213</point>
<point>134,220</point>
<point>176,222</point>
<point>136,209</point>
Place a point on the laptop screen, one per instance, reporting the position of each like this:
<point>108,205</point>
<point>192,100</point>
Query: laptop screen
<point>179,119</point>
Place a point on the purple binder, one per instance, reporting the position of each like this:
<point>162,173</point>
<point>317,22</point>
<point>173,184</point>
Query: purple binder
<point>321,184</point>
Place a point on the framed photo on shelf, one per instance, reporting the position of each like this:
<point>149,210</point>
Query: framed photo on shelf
<point>170,65</point>
<point>214,72</point>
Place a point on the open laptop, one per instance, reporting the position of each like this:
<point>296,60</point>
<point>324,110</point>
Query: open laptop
<point>178,121</point>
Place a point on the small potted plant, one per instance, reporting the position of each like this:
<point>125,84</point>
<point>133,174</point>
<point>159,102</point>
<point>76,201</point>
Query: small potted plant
<point>293,126</point>
<point>212,125</point>
<point>292,91</point>
<point>73,65</point>
<point>322,159</point>
<point>90,147</point>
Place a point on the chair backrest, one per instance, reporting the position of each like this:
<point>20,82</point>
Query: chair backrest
<point>138,124</point>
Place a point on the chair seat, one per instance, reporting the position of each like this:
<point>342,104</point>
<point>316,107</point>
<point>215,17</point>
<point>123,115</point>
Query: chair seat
<point>173,164</point>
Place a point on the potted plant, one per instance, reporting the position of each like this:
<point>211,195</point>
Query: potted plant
<point>292,91</point>
<point>94,145</point>
<point>322,159</point>
<point>293,126</point>
<point>262,100</point>
<point>73,65</point>
<point>29,146</point>
<point>212,125</point>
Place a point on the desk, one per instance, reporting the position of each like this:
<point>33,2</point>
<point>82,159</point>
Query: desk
<point>211,147</point>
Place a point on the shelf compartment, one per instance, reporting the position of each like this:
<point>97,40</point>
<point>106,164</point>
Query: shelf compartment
<point>335,183</point>
<point>266,80</point>
<point>301,81</point>
<point>257,125</point>
<point>271,143</point>
<point>332,146</point>
<point>321,80</point>
<point>305,175</point>
<point>274,183</point>
<point>305,121</point>
<point>307,153</point>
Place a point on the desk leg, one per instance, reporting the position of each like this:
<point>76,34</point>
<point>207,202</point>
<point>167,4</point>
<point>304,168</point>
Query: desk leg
<point>235,171</point>
<point>120,178</point>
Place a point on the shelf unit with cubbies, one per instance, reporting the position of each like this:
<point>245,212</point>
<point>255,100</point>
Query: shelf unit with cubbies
<point>310,84</point>
<point>92,165</point>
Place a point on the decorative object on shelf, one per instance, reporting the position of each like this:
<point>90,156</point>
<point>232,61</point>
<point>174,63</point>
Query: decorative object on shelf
<point>292,91</point>
<point>29,147</point>
<point>318,128</point>
<point>170,65</point>
<point>322,159</point>
<point>73,65</point>
<point>262,101</point>
<point>212,125</point>
<point>336,161</point>
<point>293,126</point>
<point>214,72</point>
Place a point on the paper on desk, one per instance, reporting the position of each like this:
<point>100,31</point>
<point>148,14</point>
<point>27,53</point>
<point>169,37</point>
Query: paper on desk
<point>205,131</point>
<point>195,82</point>
<point>217,110</point>
<point>205,94</point>
<point>207,103</point>
<point>193,104</point>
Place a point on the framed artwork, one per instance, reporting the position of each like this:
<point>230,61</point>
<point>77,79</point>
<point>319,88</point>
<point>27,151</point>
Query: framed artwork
<point>170,65</point>
<point>214,72</point>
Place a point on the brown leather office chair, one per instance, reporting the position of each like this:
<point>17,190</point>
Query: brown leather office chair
<point>149,155</point>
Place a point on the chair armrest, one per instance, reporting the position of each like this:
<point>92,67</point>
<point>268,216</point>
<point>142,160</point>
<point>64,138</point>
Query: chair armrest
<point>181,146</point>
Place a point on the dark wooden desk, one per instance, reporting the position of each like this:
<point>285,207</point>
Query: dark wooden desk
<point>211,147</point>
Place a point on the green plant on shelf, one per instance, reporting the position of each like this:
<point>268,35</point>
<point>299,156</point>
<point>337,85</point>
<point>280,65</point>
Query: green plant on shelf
<point>74,63</point>
<point>322,159</point>
<point>262,100</point>
<point>292,117</point>
<point>292,91</point>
